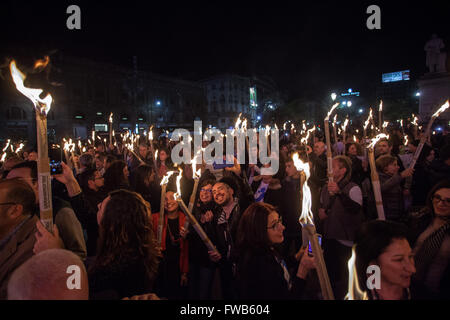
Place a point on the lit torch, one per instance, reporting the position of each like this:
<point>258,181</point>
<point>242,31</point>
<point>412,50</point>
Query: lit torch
<point>196,176</point>
<point>354,290</point>
<point>42,107</point>
<point>327,137</point>
<point>110,128</point>
<point>444,107</point>
<point>201,233</point>
<point>306,220</point>
<point>374,176</point>
<point>344,130</point>
<point>380,115</point>
<point>164,183</point>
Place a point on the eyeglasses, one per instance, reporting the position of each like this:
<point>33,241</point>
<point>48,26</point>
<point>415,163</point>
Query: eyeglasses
<point>277,224</point>
<point>206,190</point>
<point>438,198</point>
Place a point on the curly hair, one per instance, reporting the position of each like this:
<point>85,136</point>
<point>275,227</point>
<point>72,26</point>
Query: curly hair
<point>126,234</point>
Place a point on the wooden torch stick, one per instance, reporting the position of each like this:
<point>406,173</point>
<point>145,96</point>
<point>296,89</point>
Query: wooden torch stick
<point>376,185</point>
<point>44,180</point>
<point>161,214</point>
<point>196,225</point>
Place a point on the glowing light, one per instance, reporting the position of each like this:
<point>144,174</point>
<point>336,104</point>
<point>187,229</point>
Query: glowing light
<point>307,216</point>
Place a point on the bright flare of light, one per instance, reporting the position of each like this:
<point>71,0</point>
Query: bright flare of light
<point>307,216</point>
<point>41,105</point>
<point>354,291</point>
<point>381,106</point>
<point>331,111</point>
<point>178,194</point>
<point>7,145</point>
<point>41,63</point>
<point>376,139</point>
<point>441,109</point>
<point>165,179</point>
<point>366,124</point>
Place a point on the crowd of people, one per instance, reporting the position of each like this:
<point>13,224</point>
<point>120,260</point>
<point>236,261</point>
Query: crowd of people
<point>106,205</point>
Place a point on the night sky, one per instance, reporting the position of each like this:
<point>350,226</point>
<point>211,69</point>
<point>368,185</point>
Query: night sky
<point>308,49</point>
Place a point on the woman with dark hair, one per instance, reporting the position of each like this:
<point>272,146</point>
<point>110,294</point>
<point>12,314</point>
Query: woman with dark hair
<point>358,172</point>
<point>201,268</point>
<point>261,271</point>
<point>116,177</point>
<point>432,248</point>
<point>384,244</point>
<point>172,276</point>
<point>391,186</point>
<point>127,258</point>
<point>164,162</point>
<point>421,183</point>
<point>142,179</point>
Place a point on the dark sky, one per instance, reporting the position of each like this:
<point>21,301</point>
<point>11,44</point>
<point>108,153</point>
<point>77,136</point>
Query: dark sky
<point>308,49</point>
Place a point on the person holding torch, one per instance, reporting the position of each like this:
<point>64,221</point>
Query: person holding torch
<point>341,213</point>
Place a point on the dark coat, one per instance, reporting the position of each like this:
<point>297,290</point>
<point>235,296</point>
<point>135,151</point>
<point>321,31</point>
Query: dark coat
<point>392,195</point>
<point>16,251</point>
<point>292,206</point>
<point>261,277</point>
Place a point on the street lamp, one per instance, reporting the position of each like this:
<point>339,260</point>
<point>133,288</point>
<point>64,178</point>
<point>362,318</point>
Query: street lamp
<point>349,104</point>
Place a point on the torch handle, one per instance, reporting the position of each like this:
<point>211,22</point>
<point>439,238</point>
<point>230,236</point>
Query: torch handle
<point>197,227</point>
<point>44,180</point>
<point>321,268</point>
<point>376,186</point>
<point>161,214</point>
<point>329,155</point>
<point>191,202</point>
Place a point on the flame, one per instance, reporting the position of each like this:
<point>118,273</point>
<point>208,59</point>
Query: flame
<point>284,126</point>
<point>415,119</point>
<point>401,123</point>
<point>84,149</point>
<point>150,134</point>
<point>41,105</point>
<point>156,154</point>
<point>244,124</point>
<point>238,122</point>
<point>305,139</point>
<point>344,126</point>
<point>376,139</point>
<point>354,138</point>
<point>354,290</point>
<point>165,179</point>
<point>93,135</point>
<point>366,124</point>
<point>406,140</point>
<point>41,63</point>
<point>441,109</point>
<point>307,215</point>
<point>331,111</point>
<point>3,157</point>
<point>385,124</point>
<point>111,118</point>
<point>381,106</point>
<point>334,119</point>
<point>7,145</point>
<point>178,194</point>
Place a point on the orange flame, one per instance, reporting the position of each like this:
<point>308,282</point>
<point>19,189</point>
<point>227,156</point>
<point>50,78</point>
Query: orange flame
<point>307,215</point>
<point>354,290</point>
<point>41,105</point>
<point>441,109</point>
<point>41,63</point>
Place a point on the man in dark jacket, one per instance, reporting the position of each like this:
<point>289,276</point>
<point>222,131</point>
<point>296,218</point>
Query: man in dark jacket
<point>17,228</point>
<point>341,213</point>
<point>226,220</point>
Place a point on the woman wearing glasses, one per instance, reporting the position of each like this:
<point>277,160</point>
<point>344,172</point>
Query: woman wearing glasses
<point>432,249</point>
<point>262,272</point>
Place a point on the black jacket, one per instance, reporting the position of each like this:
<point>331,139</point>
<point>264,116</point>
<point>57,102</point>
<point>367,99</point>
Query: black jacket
<point>261,277</point>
